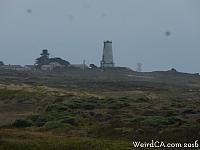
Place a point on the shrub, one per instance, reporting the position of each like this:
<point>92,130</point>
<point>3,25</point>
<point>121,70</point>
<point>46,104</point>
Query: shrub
<point>188,111</point>
<point>89,106</point>
<point>70,120</point>
<point>143,99</point>
<point>33,117</point>
<point>22,123</point>
<point>56,124</point>
<point>156,121</point>
<point>41,121</point>
<point>173,120</point>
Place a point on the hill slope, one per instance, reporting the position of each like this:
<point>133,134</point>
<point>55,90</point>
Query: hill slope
<point>101,112</point>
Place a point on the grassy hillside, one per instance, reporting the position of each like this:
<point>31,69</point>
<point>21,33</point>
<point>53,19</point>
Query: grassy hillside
<point>104,115</point>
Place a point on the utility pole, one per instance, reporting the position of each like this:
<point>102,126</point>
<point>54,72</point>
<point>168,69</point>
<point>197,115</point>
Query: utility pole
<point>84,65</point>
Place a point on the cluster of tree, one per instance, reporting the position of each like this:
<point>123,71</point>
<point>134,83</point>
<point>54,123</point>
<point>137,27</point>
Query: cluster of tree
<point>45,60</point>
<point>1,63</point>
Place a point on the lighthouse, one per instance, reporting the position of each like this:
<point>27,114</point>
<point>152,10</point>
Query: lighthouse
<point>107,58</point>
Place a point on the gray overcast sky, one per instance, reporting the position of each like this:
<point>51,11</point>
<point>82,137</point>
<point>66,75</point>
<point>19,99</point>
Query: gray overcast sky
<point>75,30</point>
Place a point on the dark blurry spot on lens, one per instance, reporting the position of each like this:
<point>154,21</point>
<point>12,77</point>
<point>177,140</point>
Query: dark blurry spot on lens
<point>70,17</point>
<point>29,11</point>
<point>167,33</point>
<point>103,15</point>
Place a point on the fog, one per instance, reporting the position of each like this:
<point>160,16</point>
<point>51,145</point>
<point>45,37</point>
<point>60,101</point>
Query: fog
<point>160,34</point>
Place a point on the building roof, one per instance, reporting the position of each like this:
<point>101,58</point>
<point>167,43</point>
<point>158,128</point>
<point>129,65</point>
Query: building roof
<point>13,66</point>
<point>30,66</point>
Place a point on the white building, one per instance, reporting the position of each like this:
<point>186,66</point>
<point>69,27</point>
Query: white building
<point>30,67</point>
<point>107,58</point>
<point>12,67</point>
<point>51,66</point>
<point>80,66</point>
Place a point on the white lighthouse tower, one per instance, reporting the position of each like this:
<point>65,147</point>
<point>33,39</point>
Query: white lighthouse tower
<point>107,59</point>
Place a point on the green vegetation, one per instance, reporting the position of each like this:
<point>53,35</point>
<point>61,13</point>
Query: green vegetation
<point>80,116</point>
<point>22,123</point>
<point>25,140</point>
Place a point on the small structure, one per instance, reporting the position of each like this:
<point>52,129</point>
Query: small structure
<point>46,68</point>
<point>30,67</point>
<point>13,67</point>
<point>107,58</point>
<point>55,65</point>
<point>80,66</point>
<point>45,53</point>
<point>93,66</point>
<point>43,59</point>
<point>51,66</point>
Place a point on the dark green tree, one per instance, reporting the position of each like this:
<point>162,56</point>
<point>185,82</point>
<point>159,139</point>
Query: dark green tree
<point>60,61</point>
<point>43,59</point>
<point>1,63</point>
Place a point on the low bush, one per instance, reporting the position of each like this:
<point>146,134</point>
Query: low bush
<point>155,121</point>
<point>70,120</point>
<point>22,123</point>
